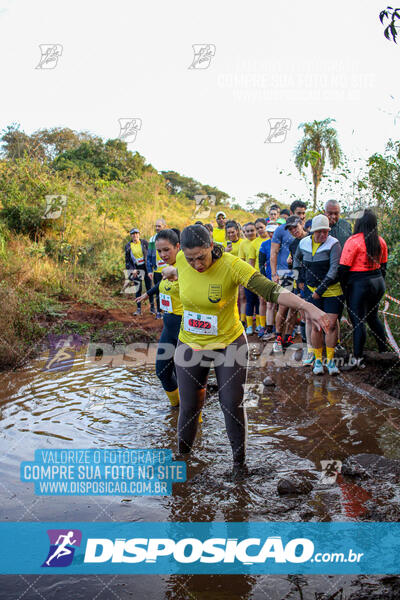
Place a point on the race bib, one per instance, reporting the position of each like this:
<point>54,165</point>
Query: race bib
<point>140,261</point>
<point>198,323</point>
<point>160,263</point>
<point>166,303</point>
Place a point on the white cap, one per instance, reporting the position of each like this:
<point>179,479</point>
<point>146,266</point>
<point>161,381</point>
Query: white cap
<point>272,226</point>
<point>220,212</point>
<point>319,222</point>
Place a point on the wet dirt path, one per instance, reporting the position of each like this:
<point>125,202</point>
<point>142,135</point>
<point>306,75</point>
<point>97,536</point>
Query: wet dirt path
<point>293,426</point>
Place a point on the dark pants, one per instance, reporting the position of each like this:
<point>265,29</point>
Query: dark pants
<point>165,367</point>
<point>363,294</point>
<point>231,368</point>
<point>156,278</point>
<point>147,282</point>
<point>252,302</point>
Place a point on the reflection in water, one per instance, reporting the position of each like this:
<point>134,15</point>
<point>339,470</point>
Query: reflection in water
<point>292,427</point>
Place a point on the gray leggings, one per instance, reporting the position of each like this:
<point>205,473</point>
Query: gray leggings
<point>192,368</point>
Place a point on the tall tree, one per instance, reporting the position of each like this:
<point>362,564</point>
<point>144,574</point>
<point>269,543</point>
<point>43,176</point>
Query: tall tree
<point>318,143</point>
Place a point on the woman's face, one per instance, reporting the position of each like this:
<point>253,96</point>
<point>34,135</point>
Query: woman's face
<point>320,236</point>
<point>261,229</point>
<point>167,251</point>
<point>250,232</point>
<point>273,215</point>
<point>200,258</point>
<point>135,237</point>
<point>232,234</point>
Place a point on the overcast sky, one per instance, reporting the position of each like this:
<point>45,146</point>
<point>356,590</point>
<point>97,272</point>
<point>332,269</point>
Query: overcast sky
<point>125,59</point>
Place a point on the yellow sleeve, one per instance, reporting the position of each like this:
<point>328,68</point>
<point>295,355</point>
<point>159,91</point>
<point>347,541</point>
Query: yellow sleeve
<point>241,271</point>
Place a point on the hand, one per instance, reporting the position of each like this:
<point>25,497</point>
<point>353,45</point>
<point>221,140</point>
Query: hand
<point>151,276</point>
<point>134,273</point>
<point>316,296</point>
<point>141,298</point>
<point>300,286</point>
<point>275,278</point>
<point>170,273</point>
<point>319,319</point>
<point>289,261</point>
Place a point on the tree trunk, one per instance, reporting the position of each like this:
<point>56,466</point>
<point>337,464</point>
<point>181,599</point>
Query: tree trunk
<point>315,197</point>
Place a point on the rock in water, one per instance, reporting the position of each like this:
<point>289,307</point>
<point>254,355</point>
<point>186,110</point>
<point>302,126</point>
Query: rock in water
<point>294,485</point>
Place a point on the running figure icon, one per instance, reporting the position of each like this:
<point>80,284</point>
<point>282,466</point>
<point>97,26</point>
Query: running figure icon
<point>63,543</point>
<point>62,549</point>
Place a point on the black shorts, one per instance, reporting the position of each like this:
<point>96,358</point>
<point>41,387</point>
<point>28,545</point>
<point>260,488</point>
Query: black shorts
<point>332,305</point>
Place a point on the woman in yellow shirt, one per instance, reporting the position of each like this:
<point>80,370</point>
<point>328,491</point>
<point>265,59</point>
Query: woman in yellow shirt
<point>252,300</point>
<point>211,331</point>
<point>262,235</point>
<point>167,246</point>
<point>234,243</point>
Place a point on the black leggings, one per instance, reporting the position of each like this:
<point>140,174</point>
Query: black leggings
<point>156,278</point>
<point>192,368</point>
<point>363,294</point>
<point>165,367</point>
<point>147,283</point>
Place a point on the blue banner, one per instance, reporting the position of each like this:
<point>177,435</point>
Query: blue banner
<point>207,548</point>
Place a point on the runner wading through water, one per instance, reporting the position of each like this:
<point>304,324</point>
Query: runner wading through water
<point>211,331</point>
<point>167,246</point>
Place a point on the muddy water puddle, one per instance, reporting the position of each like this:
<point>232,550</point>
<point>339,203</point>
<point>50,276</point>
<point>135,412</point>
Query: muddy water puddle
<point>292,427</point>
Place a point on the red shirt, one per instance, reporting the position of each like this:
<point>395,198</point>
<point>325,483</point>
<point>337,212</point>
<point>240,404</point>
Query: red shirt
<point>354,254</point>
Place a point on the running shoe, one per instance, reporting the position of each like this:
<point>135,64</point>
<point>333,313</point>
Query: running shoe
<point>138,312</point>
<point>318,368</point>
<point>158,315</point>
<point>152,310</point>
<point>258,328</point>
<point>268,337</point>
<point>261,332</point>
<point>277,345</point>
<point>287,343</point>
<point>309,360</point>
<point>249,330</point>
<point>332,368</point>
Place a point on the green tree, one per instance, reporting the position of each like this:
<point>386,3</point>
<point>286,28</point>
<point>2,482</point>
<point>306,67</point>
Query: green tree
<point>384,178</point>
<point>189,187</point>
<point>318,143</point>
<point>43,145</point>
<point>24,185</point>
<point>110,160</point>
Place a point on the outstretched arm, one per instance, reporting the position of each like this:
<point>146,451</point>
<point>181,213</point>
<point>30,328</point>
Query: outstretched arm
<point>273,292</point>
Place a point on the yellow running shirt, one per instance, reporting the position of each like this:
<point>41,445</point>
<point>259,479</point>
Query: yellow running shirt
<point>160,264</point>
<point>219,235</point>
<point>137,253</point>
<point>236,247</point>
<point>254,250</point>
<point>209,299</point>
<point>244,249</point>
<point>170,301</point>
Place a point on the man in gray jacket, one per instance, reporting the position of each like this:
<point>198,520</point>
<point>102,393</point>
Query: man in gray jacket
<point>340,229</point>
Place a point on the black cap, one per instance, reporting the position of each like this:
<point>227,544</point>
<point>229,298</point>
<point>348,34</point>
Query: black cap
<point>292,222</point>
